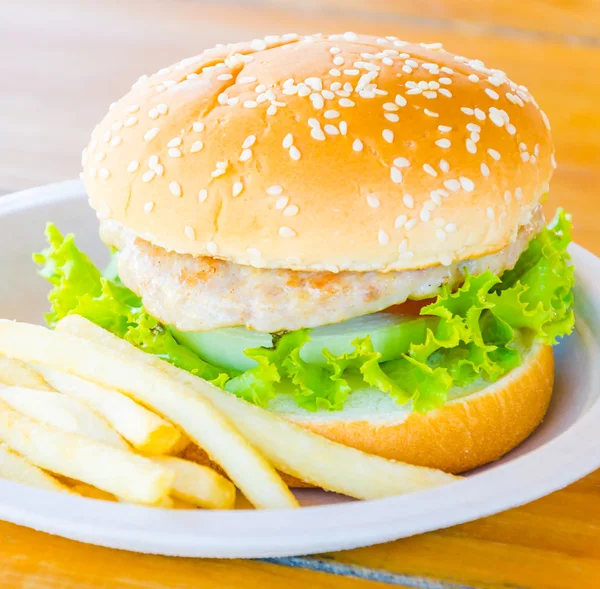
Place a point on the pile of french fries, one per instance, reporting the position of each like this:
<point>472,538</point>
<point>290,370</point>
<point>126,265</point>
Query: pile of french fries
<point>84,412</point>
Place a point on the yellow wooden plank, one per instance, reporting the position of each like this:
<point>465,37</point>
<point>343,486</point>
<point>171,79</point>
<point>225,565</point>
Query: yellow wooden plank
<point>552,543</point>
<point>557,17</point>
<point>39,561</point>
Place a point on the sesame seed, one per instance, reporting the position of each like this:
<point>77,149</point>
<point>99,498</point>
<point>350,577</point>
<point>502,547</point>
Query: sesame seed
<point>203,195</point>
<point>445,92</point>
<point>346,102</point>
<point>410,224</point>
<point>175,188</point>
<point>290,211</point>
<point>425,215</point>
<point>331,130</point>
<point>440,234</point>
<point>249,141</point>
<point>196,146</point>
<point>430,94</point>
<point>471,147</point>
<point>331,114</point>
<point>247,79</point>
<point>443,143</point>
<point>223,77</point>
<point>496,118</point>
<point>148,176</point>
<point>400,100</point>
<point>148,207</point>
<point>159,169</point>
<point>452,185</point>
<point>245,155</point>
<point>152,161</point>
<point>288,141</point>
<point>408,201</point>
<point>198,127</point>
<point>153,113</point>
<point>450,228</point>
<point>429,170</point>
<point>467,184</point>
<point>467,110</point>
<point>174,152</point>
<point>357,145</point>
<point>130,121</point>
<point>401,162</point>
<point>396,175</point>
<point>490,213</point>
<point>189,232</point>
<point>373,201</point>
<point>392,117</point>
<point>518,194</point>
<point>133,108</point>
<point>117,125</point>
<point>338,60</point>
<point>494,154</point>
<point>211,247</point>
<point>400,221</point>
<point>116,140</point>
<point>104,173</point>
<point>274,190</point>
<point>444,128</point>
<point>282,202</point>
<point>334,50</point>
<point>444,166</point>
<point>390,106</point>
<point>485,170</point>
<point>492,94</point>
<point>511,129</point>
<point>236,189</point>
<point>525,156</point>
<point>162,109</point>
<point>133,166</point>
<point>99,156</point>
<point>286,232</point>
<point>250,104</point>
<point>383,237</point>
<point>388,135</point>
<point>507,196</point>
<point>151,134</point>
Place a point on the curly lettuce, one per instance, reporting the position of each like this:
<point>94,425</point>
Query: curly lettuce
<point>477,335</point>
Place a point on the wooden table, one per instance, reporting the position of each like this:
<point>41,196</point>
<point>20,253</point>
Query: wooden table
<point>64,61</point>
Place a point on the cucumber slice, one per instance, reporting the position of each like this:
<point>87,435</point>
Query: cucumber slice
<point>391,336</point>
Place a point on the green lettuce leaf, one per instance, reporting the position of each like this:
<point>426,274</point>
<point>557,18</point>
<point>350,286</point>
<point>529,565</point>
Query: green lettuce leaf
<point>80,288</point>
<point>478,333</point>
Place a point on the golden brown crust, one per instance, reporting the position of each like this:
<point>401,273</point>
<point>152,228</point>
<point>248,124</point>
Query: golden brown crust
<point>463,434</point>
<point>331,171</point>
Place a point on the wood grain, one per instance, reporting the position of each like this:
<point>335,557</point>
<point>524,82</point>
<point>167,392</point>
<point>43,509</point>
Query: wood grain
<point>68,60</point>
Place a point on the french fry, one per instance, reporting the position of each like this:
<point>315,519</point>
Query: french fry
<point>14,467</point>
<point>144,430</point>
<point>199,485</point>
<point>290,448</point>
<point>196,416</point>
<point>62,412</point>
<point>16,373</point>
<point>124,474</point>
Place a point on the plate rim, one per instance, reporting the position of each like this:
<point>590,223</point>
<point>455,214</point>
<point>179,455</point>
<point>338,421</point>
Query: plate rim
<point>252,534</point>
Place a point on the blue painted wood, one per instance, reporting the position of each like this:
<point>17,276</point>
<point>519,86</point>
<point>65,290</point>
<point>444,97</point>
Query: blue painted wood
<point>359,572</point>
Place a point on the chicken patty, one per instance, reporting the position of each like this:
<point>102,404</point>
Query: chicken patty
<point>203,293</point>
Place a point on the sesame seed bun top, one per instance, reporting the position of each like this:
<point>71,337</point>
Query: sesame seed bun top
<point>341,152</point>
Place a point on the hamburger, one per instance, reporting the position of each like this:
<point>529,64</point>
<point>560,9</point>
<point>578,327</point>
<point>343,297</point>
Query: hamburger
<point>343,229</point>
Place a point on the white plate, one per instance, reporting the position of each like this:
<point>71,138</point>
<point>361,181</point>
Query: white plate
<point>564,448</point>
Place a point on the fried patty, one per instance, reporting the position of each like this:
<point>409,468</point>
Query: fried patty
<point>204,293</point>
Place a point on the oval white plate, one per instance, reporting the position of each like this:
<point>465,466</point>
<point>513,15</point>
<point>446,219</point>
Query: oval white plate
<point>564,448</point>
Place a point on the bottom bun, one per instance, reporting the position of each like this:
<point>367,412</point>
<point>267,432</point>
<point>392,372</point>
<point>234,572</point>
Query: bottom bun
<point>463,434</point>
